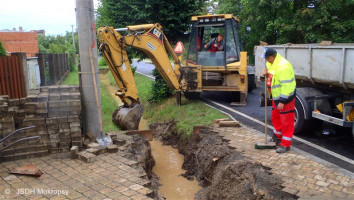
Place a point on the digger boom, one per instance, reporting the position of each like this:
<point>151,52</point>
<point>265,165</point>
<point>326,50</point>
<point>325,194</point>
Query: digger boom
<point>150,39</point>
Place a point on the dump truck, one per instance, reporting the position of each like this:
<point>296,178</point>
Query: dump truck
<point>203,70</point>
<point>324,74</point>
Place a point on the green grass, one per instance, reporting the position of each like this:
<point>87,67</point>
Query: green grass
<point>190,114</point>
<point>111,79</point>
<point>109,105</point>
<point>72,78</point>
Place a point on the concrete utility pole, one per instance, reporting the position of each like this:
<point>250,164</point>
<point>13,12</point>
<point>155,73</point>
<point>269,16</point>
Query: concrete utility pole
<point>87,42</point>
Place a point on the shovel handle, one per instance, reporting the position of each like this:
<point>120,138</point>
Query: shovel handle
<point>265,108</point>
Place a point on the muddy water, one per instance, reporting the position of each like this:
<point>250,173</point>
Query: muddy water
<point>168,168</point>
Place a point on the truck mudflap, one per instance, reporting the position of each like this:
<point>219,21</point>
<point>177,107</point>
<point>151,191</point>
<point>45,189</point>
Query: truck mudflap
<point>128,118</point>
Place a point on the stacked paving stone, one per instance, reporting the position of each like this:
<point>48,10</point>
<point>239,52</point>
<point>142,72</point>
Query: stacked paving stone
<point>6,117</point>
<point>55,112</point>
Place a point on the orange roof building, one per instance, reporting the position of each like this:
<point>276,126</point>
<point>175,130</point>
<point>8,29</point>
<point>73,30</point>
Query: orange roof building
<point>15,41</point>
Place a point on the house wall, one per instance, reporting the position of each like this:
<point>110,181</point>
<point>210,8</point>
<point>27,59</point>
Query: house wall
<point>20,42</point>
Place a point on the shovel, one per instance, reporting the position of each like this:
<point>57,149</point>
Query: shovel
<point>265,144</point>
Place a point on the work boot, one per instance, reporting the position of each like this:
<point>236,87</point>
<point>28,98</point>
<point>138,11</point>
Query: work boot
<point>276,140</point>
<point>283,149</point>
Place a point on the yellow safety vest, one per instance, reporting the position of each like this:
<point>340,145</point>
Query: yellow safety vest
<point>283,81</point>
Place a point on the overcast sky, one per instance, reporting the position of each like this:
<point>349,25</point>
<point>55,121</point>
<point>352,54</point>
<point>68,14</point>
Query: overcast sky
<point>54,16</point>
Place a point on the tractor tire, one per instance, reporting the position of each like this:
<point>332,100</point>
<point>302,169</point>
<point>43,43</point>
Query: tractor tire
<point>251,82</point>
<point>191,95</point>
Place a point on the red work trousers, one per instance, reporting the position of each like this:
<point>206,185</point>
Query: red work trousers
<point>283,122</point>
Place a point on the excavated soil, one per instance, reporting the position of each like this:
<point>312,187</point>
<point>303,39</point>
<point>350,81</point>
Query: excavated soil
<point>222,172</point>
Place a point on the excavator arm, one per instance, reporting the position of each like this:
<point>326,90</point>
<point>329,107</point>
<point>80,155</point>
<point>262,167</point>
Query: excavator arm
<point>150,39</point>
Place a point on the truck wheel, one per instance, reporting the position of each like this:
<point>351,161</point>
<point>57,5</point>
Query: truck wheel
<point>304,108</point>
<point>251,82</point>
<point>191,95</point>
<point>300,122</point>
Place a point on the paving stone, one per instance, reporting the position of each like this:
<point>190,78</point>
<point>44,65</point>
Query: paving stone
<point>145,191</point>
<point>114,195</point>
<point>106,191</point>
<point>98,196</point>
<point>86,156</point>
<point>129,193</point>
<point>121,189</point>
<point>93,151</point>
<point>340,195</point>
<point>320,178</point>
<point>73,195</point>
<point>345,183</point>
<point>138,197</point>
<point>321,183</point>
<point>93,145</point>
<point>74,151</point>
<point>136,187</point>
<point>349,190</point>
<point>10,178</point>
<point>336,187</point>
<point>112,148</point>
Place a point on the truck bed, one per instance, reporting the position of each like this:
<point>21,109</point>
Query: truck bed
<point>315,65</point>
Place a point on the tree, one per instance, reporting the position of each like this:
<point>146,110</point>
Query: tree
<point>59,44</point>
<point>292,21</point>
<point>174,16</point>
<point>2,50</point>
<point>326,20</point>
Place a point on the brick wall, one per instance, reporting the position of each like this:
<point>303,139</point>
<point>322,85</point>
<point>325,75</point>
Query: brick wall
<point>56,113</point>
<point>20,42</point>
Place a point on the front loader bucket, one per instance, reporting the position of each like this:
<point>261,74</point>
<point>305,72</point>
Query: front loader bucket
<point>128,118</point>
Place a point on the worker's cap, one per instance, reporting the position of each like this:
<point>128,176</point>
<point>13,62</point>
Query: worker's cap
<point>269,52</point>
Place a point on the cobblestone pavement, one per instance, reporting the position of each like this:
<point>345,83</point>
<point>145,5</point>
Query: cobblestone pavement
<point>109,177</point>
<point>112,176</point>
<point>302,175</point>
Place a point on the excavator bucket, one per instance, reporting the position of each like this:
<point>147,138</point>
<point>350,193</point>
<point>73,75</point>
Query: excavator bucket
<point>128,118</point>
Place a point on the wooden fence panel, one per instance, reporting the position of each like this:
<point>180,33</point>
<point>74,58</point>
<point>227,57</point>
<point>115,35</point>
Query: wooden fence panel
<point>41,64</point>
<point>56,64</point>
<point>11,77</point>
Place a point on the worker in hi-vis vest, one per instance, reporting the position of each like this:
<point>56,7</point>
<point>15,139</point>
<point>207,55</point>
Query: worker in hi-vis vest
<point>281,77</point>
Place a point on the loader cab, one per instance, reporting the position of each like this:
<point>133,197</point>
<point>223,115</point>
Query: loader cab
<point>206,28</point>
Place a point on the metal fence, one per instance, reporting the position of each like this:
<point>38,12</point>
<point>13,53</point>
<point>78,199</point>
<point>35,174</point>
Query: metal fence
<point>12,77</point>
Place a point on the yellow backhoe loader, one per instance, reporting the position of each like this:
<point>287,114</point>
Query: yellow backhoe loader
<point>203,70</point>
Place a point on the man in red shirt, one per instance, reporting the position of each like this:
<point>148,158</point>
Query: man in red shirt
<point>215,44</point>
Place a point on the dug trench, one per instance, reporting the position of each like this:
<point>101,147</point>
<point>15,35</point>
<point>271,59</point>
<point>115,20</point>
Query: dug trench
<point>222,172</point>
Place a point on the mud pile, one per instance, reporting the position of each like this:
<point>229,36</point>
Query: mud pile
<point>223,172</point>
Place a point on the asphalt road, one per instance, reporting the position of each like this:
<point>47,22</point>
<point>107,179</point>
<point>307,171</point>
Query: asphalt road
<point>340,142</point>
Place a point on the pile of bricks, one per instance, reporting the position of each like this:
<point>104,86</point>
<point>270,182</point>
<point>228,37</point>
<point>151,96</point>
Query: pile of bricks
<point>55,112</point>
<point>6,116</point>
